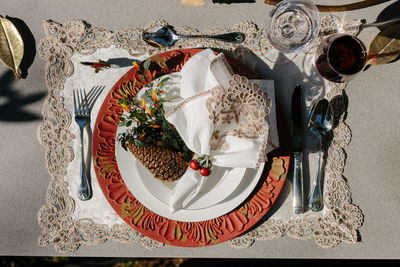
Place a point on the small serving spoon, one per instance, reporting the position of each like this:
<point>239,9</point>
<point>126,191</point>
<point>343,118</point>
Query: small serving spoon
<point>320,123</point>
<point>166,37</point>
<point>378,24</point>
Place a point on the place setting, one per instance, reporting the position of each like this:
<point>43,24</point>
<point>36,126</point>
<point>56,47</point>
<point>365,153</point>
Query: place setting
<point>167,180</point>
<point>183,141</point>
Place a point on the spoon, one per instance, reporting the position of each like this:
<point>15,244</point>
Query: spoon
<point>320,122</point>
<point>379,23</point>
<point>166,37</point>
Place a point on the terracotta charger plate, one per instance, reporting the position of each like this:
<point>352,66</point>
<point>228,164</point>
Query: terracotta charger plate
<point>150,224</point>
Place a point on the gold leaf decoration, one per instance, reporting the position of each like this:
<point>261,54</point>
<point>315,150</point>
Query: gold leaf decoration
<point>138,213</point>
<point>193,2</point>
<point>126,208</point>
<point>11,46</point>
<point>385,47</point>
<point>278,169</point>
<point>161,61</point>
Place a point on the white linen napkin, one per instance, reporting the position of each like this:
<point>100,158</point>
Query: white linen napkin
<point>222,115</point>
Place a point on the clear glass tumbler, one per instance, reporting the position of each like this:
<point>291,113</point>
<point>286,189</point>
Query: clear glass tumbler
<point>293,25</point>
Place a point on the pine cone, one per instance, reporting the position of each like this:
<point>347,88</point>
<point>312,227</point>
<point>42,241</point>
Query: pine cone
<point>166,164</point>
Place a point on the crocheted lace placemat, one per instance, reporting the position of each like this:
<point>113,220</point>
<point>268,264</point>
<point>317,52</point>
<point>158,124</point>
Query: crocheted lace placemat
<point>67,222</point>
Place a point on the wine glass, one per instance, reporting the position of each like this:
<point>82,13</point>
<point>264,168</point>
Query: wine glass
<point>293,25</point>
<point>340,57</point>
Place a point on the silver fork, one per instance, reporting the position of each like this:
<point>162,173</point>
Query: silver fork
<point>82,117</point>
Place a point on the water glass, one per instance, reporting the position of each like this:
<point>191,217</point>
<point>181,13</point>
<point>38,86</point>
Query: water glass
<point>293,25</point>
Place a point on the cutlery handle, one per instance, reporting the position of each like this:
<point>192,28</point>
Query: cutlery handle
<point>232,37</point>
<point>298,199</point>
<point>84,189</point>
<point>316,202</point>
<point>380,23</point>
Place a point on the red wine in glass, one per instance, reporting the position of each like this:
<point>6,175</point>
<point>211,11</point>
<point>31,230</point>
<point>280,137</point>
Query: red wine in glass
<point>340,56</point>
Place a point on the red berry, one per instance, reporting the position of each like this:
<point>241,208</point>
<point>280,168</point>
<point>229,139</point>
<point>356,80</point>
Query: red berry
<point>194,165</point>
<point>205,171</point>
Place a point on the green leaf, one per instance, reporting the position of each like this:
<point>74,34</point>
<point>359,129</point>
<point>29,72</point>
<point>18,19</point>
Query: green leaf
<point>163,81</point>
<point>146,64</point>
<point>139,115</point>
<point>164,124</point>
<point>187,156</point>
<point>129,123</point>
<point>173,143</point>
<point>139,143</point>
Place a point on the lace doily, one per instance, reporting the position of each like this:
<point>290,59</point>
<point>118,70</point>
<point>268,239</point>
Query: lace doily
<point>60,228</point>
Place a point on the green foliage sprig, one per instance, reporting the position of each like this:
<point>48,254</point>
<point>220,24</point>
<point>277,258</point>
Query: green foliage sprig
<point>146,123</point>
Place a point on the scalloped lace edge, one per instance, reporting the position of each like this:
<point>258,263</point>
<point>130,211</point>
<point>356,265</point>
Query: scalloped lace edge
<point>339,224</point>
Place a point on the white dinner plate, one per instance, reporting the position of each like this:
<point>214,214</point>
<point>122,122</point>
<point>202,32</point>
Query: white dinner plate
<point>219,185</point>
<point>226,188</point>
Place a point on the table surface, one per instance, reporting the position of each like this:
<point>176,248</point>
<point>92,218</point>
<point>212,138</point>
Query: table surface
<point>372,156</point>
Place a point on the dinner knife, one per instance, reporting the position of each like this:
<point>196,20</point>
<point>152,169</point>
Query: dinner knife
<point>297,148</point>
